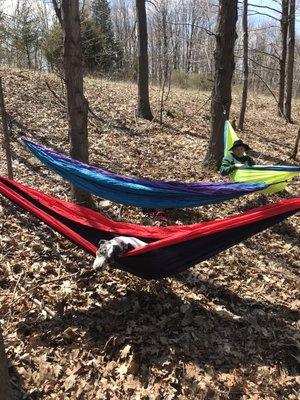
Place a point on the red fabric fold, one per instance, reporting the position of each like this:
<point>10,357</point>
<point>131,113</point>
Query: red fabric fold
<point>164,236</point>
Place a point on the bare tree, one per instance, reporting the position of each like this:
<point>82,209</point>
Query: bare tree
<point>245,66</point>
<point>282,67</point>
<point>224,67</point>
<point>68,14</point>
<point>144,109</point>
<point>124,23</point>
<point>290,62</point>
<point>6,138</point>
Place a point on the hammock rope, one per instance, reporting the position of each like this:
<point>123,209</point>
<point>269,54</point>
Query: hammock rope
<point>169,250</point>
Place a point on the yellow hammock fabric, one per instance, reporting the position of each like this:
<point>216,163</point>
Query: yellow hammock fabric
<point>277,176</point>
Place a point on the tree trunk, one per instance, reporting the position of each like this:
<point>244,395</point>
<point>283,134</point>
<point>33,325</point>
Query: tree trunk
<point>6,138</point>
<point>224,67</point>
<point>77,104</point>
<point>296,147</point>
<point>175,56</point>
<point>144,109</point>
<point>189,51</point>
<point>290,62</point>
<point>165,61</point>
<point>6,392</point>
<point>282,67</point>
<point>245,67</point>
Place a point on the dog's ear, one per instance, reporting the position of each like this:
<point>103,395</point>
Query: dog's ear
<point>108,249</point>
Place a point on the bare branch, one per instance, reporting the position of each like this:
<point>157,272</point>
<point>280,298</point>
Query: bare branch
<point>260,65</point>
<point>265,53</point>
<point>265,7</point>
<point>194,26</point>
<point>253,13</point>
<point>267,86</point>
<point>57,9</point>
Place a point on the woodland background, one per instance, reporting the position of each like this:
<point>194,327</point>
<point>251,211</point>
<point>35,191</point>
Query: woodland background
<point>180,34</point>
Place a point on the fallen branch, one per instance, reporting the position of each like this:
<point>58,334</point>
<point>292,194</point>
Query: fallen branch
<point>27,292</point>
<point>63,104</point>
<point>61,101</point>
<point>95,115</point>
<point>37,302</point>
<point>205,102</point>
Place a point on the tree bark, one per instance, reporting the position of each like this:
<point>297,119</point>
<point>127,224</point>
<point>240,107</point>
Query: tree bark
<point>245,66</point>
<point>6,392</point>
<point>296,147</point>
<point>290,61</point>
<point>77,103</point>
<point>282,66</point>
<point>6,138</point>
<point>165,60</point>
<point>224,68</point>
<point>144,109</point>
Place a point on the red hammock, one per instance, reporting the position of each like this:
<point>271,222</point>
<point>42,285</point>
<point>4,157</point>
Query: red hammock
<point>170,250</point>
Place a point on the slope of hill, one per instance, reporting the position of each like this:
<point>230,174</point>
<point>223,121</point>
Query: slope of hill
<point>226,329</point>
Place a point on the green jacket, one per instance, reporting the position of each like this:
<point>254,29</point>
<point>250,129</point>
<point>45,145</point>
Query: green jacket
<point>228,163</point>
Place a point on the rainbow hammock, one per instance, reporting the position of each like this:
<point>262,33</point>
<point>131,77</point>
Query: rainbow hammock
<point>137,191</point>
<point>169,250</point>
<point>276,176</point>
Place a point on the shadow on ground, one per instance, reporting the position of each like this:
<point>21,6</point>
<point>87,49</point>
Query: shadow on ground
<point>161,326</point>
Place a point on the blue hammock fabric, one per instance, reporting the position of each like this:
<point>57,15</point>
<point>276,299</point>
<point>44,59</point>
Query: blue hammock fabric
<point>139,192</point>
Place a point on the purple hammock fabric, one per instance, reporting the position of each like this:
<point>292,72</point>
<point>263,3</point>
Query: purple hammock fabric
<point>135,191</point>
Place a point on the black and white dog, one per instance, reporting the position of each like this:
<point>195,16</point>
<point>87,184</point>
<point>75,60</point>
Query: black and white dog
<point>109,250</point>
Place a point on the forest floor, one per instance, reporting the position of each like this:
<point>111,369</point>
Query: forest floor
<point>226,329</point>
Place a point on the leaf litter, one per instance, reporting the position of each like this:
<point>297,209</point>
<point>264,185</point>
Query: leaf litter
<point>226,329</point>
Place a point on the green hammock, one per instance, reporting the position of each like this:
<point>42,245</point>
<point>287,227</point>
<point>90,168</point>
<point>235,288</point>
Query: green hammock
<point>277,176</point>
